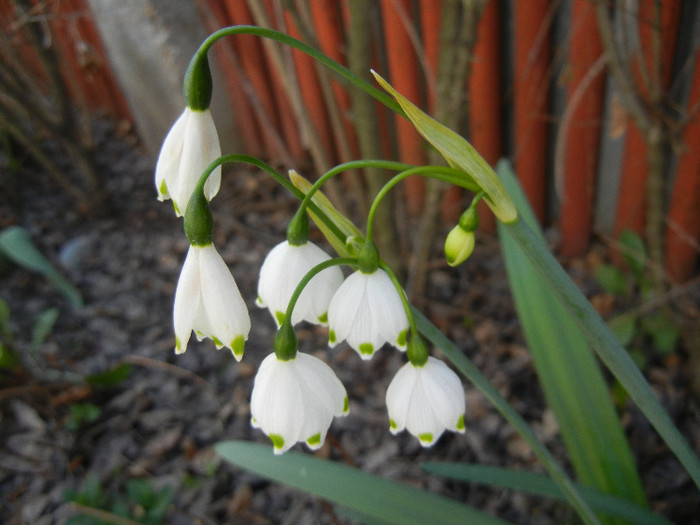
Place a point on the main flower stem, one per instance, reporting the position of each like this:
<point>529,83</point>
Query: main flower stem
<point>344,72</point>
<point>248,159</point>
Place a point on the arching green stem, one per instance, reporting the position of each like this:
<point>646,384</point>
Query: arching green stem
<point>310,275</point>
<point>301,46</point>
<point>249,159</point>
<point>404,300</point>
<point>443,173</point>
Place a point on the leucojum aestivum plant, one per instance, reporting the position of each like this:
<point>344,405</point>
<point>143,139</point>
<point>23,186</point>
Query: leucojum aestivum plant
<point>296,396</point>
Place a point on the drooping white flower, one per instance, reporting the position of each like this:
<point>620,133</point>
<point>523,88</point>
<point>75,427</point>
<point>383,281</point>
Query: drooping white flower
<point>207,300</point>
<point>280,274</point>
<point>426,400</point>
<point>190,146</point>
<point>296,400</point>
<point>367,312</point>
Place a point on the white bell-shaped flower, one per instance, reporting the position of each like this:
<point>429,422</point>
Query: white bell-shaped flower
<point>367,312</point>
<point>283,269</point>
<point>190,146</point>
<point>296,400</point>
<point>207,300</point>
<point>426,400</point>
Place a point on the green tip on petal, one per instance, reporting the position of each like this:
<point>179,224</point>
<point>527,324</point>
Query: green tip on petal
<point>217,342</point>
<point>401,340</point>
<point>163,189</point>
<point>280,317</point>
<point>178,346</point>
<point>314,440</point>
<point>366,348</point>
<point>323,318</point>
<point>259,301</point>
<point>331,336</point>
<point>460,423</point>
<point>237,346</point>
<point>277,441</point>
<point>392,424</point>
<point>425,438</point>
<point>346,405</point>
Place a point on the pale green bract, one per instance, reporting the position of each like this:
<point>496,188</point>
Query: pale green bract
<point>459,154</point>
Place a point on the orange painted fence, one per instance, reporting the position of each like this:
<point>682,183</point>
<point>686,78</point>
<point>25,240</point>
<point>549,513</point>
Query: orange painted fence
<point>519,66</point>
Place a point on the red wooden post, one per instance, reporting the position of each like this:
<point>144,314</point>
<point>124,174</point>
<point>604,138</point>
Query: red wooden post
<point>531,19</point>
<point>583,132</point>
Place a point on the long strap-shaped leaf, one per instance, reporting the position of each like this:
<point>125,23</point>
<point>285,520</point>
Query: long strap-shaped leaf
<point>566,366</point>
<point>602,340</point>
<point>376,497</point>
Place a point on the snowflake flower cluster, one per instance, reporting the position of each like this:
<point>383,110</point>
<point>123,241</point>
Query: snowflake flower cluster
<point>295,395</point>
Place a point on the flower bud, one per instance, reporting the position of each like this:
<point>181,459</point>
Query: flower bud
<point>459,245</point>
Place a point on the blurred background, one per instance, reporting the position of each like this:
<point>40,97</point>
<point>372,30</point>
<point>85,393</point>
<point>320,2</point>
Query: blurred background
<point>595,102</point>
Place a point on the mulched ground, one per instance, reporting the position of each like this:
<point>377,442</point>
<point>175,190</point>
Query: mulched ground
<point>161,422</point>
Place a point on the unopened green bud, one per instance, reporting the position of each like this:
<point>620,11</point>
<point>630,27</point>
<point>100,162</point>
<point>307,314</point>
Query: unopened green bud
<point>459,245</point>
<point>199,224</point>
<point>198,85</point>
<point>286,344</point>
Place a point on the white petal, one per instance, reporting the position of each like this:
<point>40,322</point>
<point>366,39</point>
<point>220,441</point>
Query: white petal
<point>398,397</point>
<point>200,147</point>
<point>226,313</point>
<point>280,274</point>
<point>169,156</point>
<point>367,311</point>
<point>187,300</point>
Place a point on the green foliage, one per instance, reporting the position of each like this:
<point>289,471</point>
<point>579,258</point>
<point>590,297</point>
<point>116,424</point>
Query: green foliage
<point>111,377</point>
<point>543,486</point>
<point>635,329</point>
<point>568,371</point>
<point>81,414</point>
<point>139,502</point>
<point>371,496</point>
<point>17,245</point>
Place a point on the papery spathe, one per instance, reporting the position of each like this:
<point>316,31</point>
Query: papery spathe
<point>426,400</point>
<point>296,400</point>
<point>190,146</point>
<point>207,300</point>
<point>367,312</point>
<point>283,269</point>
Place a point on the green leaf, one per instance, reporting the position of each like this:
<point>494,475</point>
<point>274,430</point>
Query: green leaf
<point>43,326</point>
<point>110,377</point>
<point>663,330</point>
<point>604,344</point>
<point>370,495</point>
<point>634,252</point>
<point>611,279</point>
<point>16,243</point>
<point>543,486</point>
<point>624,327</point>
<point>571,379</point>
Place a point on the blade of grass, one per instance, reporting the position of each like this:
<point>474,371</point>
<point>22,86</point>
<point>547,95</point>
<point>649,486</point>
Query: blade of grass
<point>542,485</point>
<point>370,495</point>
<point>571,379</point>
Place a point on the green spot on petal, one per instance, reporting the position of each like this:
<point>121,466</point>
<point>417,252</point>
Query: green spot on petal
<point>323,318</point>
<point>460,422</point>
<point>314,440</point>
<point>331,336</point>
<point>366,348</point>
<point>259,301</point>
<point>177,210</point>
<point>425,438</point>
<point>237,345</point>
<point>401,341</point>
<point>277,441</point>
<point>280,317</point>
<point>346,405</point>
<point>392,424</point>
<point>178,346</point>
<point>217,342</point>
<point>163,190</point>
